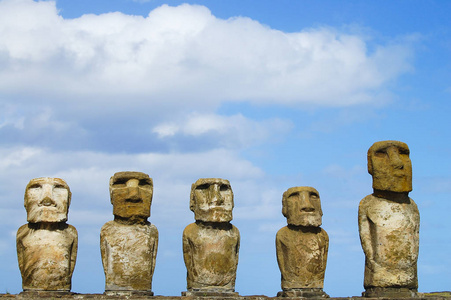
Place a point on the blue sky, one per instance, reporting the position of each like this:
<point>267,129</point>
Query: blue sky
<point>266,94</point>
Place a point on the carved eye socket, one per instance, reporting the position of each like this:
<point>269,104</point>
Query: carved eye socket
<point>224,187</point>
<point>145,182</point>
<point>381,152</point>
<point>35,186</point>
<point>203,186</point>
<point>404,151</point>
<point>120,181</point>
<point>59,186</point>
<point>314,196</point>
<point>293,194</point>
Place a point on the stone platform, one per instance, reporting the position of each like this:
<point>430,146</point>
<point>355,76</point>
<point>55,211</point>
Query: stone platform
<point>75,296</point>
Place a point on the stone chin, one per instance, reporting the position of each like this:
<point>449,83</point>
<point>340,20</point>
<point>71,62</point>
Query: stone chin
<point>398,184</point>
<point>213,215</point>
<point>306,221</point>
<point>128,213</point>
<point>46,215</point>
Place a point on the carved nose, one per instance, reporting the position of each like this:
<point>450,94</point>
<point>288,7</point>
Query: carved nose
<point>306,205</point>
<point>134,195</point>
<point>395,159</point>
<point>216,197</point>
<point>47,201</point>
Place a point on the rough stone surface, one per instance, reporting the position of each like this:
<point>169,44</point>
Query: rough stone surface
<point>53,295</point>
<point>389,224</point>
<point>129,243</point>
<point>211,244</point>
<point>47,245</point>
<point>302,245</point>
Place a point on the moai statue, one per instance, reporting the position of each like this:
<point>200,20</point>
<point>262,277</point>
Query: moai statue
<point>129,243</point>
<point>47,245</point>
<point>302,245</point>
<point>211,244</point>
<point>389,224</point>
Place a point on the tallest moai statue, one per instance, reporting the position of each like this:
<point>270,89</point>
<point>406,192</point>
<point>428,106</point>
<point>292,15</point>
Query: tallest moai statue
<point>389,224</point>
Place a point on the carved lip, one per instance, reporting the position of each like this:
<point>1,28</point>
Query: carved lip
<point>400,174</point>
<point>134,200</point>
<point>308,209</point>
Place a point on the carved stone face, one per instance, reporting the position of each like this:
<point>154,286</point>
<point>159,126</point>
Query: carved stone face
<point>389,164</point>
<point>47,200</point>
<point>212,200</point>
<point>131,194</point>
<point>302,207</point>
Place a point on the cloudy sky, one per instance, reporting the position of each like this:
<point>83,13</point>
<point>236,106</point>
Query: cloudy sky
<point>266,94</point>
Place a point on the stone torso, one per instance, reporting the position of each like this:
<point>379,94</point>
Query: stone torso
<point>128,255</point>
<point>302,256</point>
<point>45,257</point>
<point>211,256</point>
<point>389,232</point>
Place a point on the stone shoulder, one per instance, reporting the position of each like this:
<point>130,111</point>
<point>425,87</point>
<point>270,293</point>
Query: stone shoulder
<point>190,230</point>
<point>282,232</point>
<point>107,226</point>
<point>235,229</point>
<point>193,229</point>
<point>153,228</point>
<point>22,230</point>
<point>324,233</point>
<point>370,200</point>
<point>72,230</point>
<point>112,226</point>
<point>367,199</point>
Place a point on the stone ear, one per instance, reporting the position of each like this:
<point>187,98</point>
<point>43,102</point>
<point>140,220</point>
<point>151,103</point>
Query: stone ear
<point>191,199</point>
<point>370,162</point>
<point>111,190</point>
<point>69,197</point>
<point>284,205</point>
<point>25,199</point>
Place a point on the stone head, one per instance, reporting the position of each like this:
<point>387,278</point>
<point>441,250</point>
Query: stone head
<point>131,194</point>
<point>212,200</point>
<point>302,206</point>
<point>47,200</point>
<point>389,164</point>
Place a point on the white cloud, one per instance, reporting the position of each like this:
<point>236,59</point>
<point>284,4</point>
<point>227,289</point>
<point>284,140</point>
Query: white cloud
<point>88,173</point>
<point>117,82</point>
<point>17,157</point>
<point>184,55</point>
<point>229,131</point>
<point>165,130</point>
